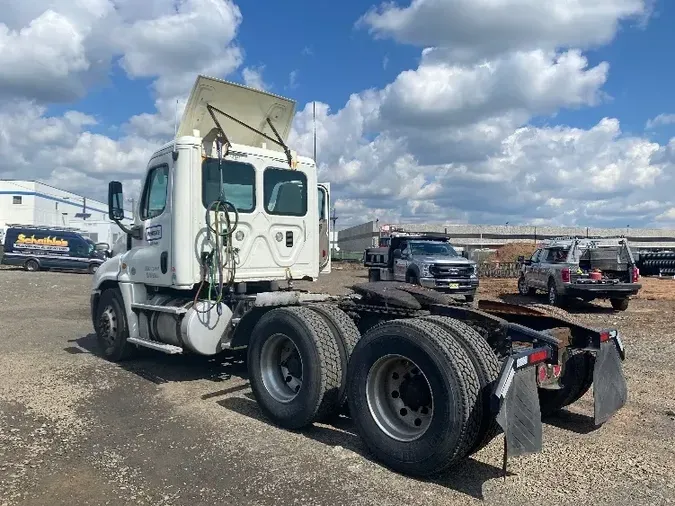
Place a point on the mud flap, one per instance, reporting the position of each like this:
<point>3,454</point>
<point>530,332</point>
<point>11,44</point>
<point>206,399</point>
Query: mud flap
<point>519,415</point>
<point>610,390</point>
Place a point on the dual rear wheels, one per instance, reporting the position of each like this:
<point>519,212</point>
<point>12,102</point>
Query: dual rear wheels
<point>416,389</point>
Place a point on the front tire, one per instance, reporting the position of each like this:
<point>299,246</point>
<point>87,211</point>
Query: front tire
<point>32,265</point>
<point>411,393</point>
<point>111,327</point>
<point>295,367</point>
<point>411,278</point>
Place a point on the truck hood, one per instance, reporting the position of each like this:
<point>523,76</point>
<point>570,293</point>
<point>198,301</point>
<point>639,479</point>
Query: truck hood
<point>248,105</point>
<point>430,259</point>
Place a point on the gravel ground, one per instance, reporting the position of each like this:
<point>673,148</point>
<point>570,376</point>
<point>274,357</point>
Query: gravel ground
<point>76,429</point>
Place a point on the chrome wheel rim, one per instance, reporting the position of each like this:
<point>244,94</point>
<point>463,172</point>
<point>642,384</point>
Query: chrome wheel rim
<point>399,398</point>
<point>107,325</point>
<point>281,368</point>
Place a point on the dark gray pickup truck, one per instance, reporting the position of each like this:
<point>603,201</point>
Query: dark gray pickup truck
<point>582,268</point>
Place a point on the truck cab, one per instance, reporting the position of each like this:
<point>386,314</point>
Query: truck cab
<point>226,206</point>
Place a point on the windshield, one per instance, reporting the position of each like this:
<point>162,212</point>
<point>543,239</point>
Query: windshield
<point>432,249</point>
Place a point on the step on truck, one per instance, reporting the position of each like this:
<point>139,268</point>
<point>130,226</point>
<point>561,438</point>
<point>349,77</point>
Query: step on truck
<point>229,216</point>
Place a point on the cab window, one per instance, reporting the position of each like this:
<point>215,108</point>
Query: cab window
<point>535,256</point>
<point>285,192</point>
<point>238,183</point>
<point>155,192</point>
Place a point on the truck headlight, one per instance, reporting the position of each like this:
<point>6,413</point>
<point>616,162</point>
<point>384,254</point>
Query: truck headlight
<point>474,271</point>
<point>425,271</point>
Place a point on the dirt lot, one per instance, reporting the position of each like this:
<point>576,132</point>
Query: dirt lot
<point>75,429</point>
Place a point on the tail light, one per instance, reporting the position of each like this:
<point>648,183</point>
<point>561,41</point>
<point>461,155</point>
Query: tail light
<point>565,273</point>
<point>636,274</point>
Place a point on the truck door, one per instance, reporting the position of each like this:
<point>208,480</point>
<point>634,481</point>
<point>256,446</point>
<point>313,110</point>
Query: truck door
<point>401,264</point>
<point>148,259</point>
<point>324,228</point>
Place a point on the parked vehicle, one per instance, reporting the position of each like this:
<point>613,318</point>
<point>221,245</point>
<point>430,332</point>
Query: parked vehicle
<point>584,268</point>
<point>222,228</point>
<point>37,248</point>
<point>427,259</point>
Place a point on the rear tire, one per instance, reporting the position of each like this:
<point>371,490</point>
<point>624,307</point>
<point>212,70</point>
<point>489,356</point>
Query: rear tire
<point>620,304</point>
<point>487,368</point>
<point>411,393</point>
<point>577,378</point>
<point>31,265</point>
<point>346,336</point>
<point>295,343</point>
<point>554,298</point>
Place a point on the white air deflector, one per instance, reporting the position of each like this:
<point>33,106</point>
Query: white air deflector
<point>247,105</point>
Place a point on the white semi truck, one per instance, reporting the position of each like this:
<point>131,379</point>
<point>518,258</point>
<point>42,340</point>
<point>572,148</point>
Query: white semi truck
<point>229,216</point>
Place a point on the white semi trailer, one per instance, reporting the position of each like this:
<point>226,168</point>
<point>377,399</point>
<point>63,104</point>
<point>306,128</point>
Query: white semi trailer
<point>229,216</point>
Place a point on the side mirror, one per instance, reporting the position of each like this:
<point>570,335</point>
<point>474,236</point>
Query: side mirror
<point>397,253</point>
<point>102,246</point>
<point>115,201</point>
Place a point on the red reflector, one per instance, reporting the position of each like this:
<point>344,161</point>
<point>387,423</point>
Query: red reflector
<point>636,274</point>
<point>556,370</point>
<point>604,336</point>
<point>538,356</point>
<point>542,373</point>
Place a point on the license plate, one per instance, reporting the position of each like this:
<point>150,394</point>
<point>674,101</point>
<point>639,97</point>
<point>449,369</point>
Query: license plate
<point>453,285</point>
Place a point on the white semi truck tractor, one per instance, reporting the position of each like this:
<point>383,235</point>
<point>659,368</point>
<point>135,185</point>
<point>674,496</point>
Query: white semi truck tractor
<point>229,216</point>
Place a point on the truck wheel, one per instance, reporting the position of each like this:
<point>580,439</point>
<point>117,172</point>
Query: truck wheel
<point>411,278</point>
<point>576,380</point>
<point>554,298</point>
<point>411,393</point>
<point>620,304</point>
<point>487,368</point>
<point>112,329</point>
<point>31,265</point>
<point>523,289</point>
<point>346,336</point>
<point>93,268</point>
<point>295,367</point>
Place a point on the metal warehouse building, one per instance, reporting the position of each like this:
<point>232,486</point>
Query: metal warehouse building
<point>356,239</point>
<point>29,202</point>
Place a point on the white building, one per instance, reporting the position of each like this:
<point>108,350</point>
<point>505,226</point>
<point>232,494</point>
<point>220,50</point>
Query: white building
<point>28,202</point>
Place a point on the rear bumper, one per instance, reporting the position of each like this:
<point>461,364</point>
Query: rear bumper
<point>602,290</point>
<point>460,286</point>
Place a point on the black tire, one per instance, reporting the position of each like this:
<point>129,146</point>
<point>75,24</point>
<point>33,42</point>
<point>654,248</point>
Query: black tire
<point>346,335</point>
<point>93,268</point>
<point>321,368</point>
<point>469,298</point>
<point>554,298</point>
<point>487,368</point>
<point>523,289</point>
<point>576,380</point>
<point>454,388</point>
<point>620,304</point>
<point>31,265</point>
<point>373,275</point>
<point>411,278</point>
<point>111,327</point>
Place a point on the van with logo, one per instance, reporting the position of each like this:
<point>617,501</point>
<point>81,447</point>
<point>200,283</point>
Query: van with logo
<point>42,248</point>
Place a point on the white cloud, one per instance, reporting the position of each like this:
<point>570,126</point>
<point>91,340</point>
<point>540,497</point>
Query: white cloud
<point>253,77</point>
<point>450,140</point>
<point>477,29</point>
<point>660,120</point>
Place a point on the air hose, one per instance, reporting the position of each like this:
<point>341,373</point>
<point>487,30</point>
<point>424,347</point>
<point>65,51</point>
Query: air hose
<point>224,254</point>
